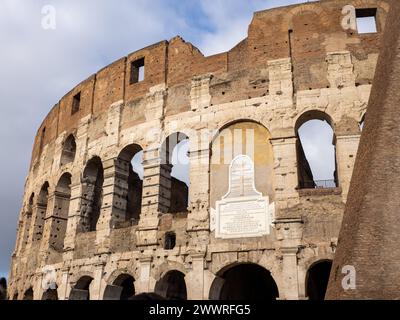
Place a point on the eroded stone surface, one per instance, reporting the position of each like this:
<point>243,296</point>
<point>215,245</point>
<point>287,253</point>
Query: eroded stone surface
<point>296,59</point>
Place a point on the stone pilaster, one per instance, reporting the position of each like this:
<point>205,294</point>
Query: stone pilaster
<point>200,97</point>
<point>198,218</point>
<point>105,222</point>
<point>281,77</point>
<point>64,289</point>
<point>346,152</point>
<point>142,285</point>
<point>96,285</point>
<point>151,199</point>
<point>285,170</point>
<point>289,234</point>
<point>340,69</point>
<point>74,220</point>
<point>195,278</point>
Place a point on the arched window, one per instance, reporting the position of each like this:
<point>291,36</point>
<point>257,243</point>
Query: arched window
<point>175,166</point>
<point>41,208</point>
<point>317,280</point>
<point>316,151</point>
<point>69,150</point>
<point>60,213</point>
<point>92,194</point>
<point>129,169</point>
<point>172,286</point>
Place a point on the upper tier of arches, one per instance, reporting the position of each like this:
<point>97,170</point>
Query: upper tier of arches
<point>174,63</point>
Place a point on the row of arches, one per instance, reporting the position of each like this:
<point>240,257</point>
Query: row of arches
<point>129,173</point>
<point>246,281</point>
<point>316,161</point>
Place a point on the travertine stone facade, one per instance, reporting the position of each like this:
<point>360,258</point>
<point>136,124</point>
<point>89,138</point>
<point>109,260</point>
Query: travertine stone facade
<point>297,64</point>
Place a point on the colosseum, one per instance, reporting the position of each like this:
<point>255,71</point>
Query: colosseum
<point>252,223</point>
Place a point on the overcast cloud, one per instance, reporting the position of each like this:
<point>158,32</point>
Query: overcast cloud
<point>38,67</point>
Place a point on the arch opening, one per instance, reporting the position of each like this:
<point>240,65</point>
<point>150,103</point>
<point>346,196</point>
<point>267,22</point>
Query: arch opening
<point>123,288</point>
<point>174,171</point>
<point>27,221</point>
<point>129,169</point>
<point>62,200</point>
<point>81,290</point>
<point>172,286</point>
<point>41,208</point>
<point>241,138</point>
<point>50,295</point>
<point>92,194</point>
<point>316,151</point>
<point>244,282</point>
<point>28,295</point>
<point>69,151</point>
<point>317,280</point>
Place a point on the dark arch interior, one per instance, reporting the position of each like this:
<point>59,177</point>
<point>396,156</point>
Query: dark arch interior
<point>133,195</point>
<point>81,289</point>
<point>84,283</point>
<point>28,295</point>
<point>93,179</point>
<point>60,212</point>
<point>172,286</point>
<point>41,202</point>
<point>69,150</point>
<point>317,280</point>
<point>50,294</point>
<point>127,282</point>
<point>248,282</point>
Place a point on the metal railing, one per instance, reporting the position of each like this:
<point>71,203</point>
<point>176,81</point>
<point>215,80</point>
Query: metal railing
<point>318,184</point>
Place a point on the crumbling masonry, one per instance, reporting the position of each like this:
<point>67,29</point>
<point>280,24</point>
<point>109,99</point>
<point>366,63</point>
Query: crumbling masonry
<point>91,228</point>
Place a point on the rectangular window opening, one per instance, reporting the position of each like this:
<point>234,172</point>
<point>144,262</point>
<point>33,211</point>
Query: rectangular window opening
<point>366,20</point>
<point>137,71</point>
<point>76,103</point>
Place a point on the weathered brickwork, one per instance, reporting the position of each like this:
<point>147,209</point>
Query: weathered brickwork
<point>296,64</point>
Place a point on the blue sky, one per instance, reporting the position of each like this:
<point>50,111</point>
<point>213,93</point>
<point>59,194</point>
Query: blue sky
<point>37,67</point>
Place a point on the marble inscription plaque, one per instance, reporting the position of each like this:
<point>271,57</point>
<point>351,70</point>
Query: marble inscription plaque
<point>243,211</point>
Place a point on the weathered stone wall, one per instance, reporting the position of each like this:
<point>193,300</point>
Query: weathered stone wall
<point>296,59</point>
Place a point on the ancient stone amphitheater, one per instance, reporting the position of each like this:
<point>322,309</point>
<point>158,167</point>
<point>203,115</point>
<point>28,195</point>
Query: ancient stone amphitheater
<point>253,223</point>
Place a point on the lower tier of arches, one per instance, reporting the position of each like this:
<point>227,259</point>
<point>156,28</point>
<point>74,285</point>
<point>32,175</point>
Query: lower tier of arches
<point>245,280</point>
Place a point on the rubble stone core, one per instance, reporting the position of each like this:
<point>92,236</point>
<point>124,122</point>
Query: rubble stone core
<point>90,228</point>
